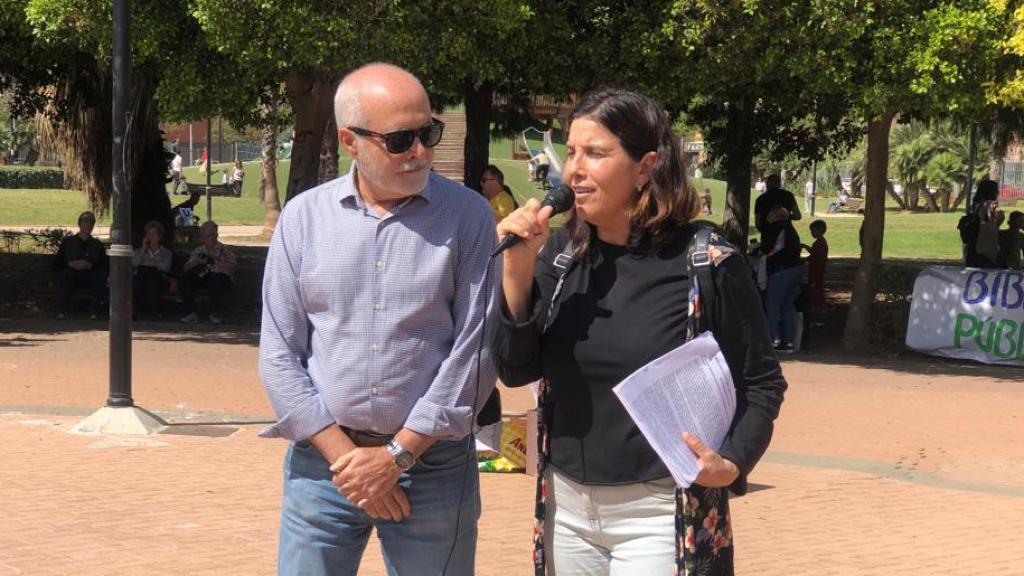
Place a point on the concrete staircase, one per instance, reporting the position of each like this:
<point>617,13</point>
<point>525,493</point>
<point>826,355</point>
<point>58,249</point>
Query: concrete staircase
<point>449,159</point>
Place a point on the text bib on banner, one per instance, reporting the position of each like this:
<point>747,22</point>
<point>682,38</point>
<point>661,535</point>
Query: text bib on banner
<point>969,313</point>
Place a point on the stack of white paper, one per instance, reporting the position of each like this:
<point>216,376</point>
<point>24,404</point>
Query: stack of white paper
<point>688,389</point>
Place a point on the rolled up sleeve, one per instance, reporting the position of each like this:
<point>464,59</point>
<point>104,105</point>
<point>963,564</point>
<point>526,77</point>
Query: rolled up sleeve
<point>466,378</point>
<point>284,340</point>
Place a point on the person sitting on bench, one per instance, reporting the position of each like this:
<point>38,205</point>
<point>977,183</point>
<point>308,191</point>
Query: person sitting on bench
<point>151,263</point>
<point>210,266</point>
<point>81,261</point>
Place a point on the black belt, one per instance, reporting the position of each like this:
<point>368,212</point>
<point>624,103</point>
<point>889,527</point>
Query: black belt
<point>367,439</point>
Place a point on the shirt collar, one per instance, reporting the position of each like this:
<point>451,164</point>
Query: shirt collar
<point>347,192</point>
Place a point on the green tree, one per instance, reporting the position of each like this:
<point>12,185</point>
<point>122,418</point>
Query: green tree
<point>67,77</point>
<point>764,76</point>
<point>307,48</point>
<point>924,59</point>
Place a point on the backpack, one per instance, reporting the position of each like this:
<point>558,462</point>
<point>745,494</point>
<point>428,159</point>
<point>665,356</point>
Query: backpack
<point>969,225</point>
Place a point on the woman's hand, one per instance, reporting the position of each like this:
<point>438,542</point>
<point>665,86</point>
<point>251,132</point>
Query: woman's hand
<point>530,223</point>
<point>715,471</point>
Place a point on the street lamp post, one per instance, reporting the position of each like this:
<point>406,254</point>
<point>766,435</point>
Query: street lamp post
<point>121,245</point>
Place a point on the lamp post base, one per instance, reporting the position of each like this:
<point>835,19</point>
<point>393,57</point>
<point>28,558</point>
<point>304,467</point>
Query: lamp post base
<point>120,422</point>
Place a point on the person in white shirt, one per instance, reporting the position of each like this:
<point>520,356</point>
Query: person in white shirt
<point>236,178</point>
<point>176,173</point>
<point>543,164</point>
<point>809,197</point>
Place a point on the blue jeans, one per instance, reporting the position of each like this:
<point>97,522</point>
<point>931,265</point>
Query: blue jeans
<point>323,534</point>
<point>783,288</point>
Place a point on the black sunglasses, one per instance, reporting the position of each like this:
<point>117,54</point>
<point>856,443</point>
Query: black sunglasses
<point>401,140</point>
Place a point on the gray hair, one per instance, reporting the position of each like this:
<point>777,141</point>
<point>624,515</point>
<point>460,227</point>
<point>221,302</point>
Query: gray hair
<point>347,110</point>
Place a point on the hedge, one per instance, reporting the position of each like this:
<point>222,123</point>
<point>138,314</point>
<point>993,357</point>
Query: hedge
<point>31,177</point>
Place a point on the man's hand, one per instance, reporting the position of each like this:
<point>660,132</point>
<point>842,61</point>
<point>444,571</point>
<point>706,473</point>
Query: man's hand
<point>715,471</point>
<point>392,506</point>
<point>80,264</point>
<point>364,475</point>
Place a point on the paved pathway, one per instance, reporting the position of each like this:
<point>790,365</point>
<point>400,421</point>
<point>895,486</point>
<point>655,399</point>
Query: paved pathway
<point>909,468</point>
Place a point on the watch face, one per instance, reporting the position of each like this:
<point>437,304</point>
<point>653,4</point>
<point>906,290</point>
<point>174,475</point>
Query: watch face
<point>404,460</point>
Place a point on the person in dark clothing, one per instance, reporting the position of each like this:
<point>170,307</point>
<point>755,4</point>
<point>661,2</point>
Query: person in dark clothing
<point>980,223</point>
<point>775,197</point>
<point>1011,242</point>
<point>817,260</point>
<point>583,319</point>
<point>80,262</point>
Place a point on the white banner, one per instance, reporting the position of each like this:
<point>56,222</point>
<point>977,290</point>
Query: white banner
<point>969,313</point>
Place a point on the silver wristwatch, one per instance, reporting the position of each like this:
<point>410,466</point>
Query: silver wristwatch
<point>403,458</point>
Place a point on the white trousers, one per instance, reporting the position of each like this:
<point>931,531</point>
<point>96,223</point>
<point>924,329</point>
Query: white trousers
<point>610,530</point>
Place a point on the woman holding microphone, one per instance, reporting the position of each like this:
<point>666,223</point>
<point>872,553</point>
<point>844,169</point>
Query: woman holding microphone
<point>607,294</point>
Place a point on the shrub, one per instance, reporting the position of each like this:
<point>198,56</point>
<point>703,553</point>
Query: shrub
<point>31,177</point>
<point>48,239</point>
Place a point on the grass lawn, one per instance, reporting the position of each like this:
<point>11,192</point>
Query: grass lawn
<point>908,235</point>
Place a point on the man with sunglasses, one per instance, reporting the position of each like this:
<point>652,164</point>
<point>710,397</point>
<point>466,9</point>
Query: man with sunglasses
<point>377,293</point>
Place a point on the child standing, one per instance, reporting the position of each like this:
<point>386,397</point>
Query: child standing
<point>816,263</point>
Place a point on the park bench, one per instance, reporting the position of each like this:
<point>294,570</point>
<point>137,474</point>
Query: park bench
<point>215,190</point>
<point>852,205</point>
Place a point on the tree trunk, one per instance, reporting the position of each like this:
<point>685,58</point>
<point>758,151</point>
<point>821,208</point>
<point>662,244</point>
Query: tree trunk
<point>856,180</point>
<point>329,151</point>
<point>737,160</point>
<point>998,141</point>
<point>148,160</point>
<point>269,195</point>
<point>479,101</point>
<point>960,197</point>
<point>913,196</point>
<point>311,98</point>
<point>857,334</point>
<point>737,197</point>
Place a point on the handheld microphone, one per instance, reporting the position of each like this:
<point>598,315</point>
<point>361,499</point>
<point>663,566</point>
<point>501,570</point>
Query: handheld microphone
<point>560,199</point>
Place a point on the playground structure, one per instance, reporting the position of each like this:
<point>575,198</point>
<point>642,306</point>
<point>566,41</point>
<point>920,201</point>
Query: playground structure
<point>522,150</point>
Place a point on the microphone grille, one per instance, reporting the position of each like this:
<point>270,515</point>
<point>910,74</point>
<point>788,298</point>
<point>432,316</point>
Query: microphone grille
<point>561,198</point>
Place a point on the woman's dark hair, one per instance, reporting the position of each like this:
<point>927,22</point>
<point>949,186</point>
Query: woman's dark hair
<point>987,191</point>
<point>667,202</point>
<point>496,172</point>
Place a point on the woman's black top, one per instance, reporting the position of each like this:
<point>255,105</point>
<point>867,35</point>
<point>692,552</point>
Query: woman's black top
<point>618,311</point>
<point>789,255</point>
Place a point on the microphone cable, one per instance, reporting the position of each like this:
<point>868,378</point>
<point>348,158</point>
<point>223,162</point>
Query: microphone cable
<point>471,438</point>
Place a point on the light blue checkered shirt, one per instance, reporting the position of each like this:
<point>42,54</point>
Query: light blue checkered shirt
<point>375,323</point>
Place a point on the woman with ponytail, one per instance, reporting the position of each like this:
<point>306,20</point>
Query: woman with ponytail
<point>607,294</point>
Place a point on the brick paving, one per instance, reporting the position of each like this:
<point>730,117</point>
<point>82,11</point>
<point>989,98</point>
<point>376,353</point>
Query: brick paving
<point>896,470</point>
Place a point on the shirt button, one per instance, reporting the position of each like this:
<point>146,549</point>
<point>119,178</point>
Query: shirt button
<point>380,264</point>
<point>374,390</point>
<point>377,306</point>
<point>375,348</point>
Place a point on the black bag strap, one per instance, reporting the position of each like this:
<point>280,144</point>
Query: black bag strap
<point>564,262</point>
<point>700,269</point>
